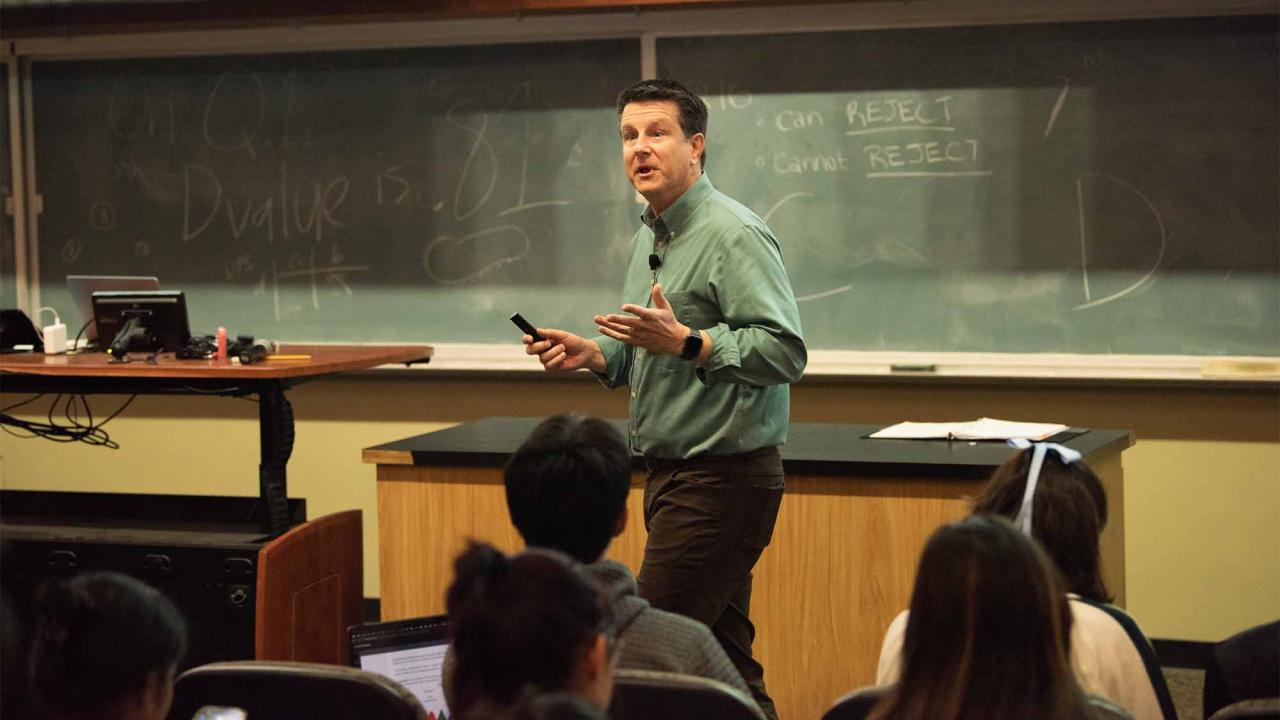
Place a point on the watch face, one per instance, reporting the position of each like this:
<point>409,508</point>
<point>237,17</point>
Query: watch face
<point>692,346</point>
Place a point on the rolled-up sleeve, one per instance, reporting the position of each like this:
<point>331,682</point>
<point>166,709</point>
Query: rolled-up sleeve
<point>617,362</point>
<point>758,341</point>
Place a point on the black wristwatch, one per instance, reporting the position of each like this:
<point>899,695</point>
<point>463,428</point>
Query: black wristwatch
<point>692,346</point>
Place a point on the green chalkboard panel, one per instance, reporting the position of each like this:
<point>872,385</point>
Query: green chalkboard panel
<point>1092,187</point>
<point>1098,187</point>
<point>417,195</point>
<point>8,289</point>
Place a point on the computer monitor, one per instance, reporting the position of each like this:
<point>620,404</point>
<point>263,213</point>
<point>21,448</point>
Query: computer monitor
<point>82,288</point>
<point>161,313</point>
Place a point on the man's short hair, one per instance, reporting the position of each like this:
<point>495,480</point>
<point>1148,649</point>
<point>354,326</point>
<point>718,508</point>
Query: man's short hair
<point>692,110</point>
<point>567,485</point>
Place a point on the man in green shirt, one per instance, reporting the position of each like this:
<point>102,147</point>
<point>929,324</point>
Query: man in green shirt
<point>708,339</point>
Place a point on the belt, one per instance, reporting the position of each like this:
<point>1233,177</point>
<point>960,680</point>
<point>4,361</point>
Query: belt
<point>657,464</point>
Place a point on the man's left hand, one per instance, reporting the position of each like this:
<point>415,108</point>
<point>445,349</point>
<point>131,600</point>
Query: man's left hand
<point>655,329</point>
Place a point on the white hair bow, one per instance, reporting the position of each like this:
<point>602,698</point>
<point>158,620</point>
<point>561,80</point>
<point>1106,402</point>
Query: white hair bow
<point>1069,457</point>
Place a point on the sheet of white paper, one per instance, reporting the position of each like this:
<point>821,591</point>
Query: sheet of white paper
<point>980,429</point>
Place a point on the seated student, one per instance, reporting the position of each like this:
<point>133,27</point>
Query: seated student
<point>524,626</point>
<point>1245,666</point>
<point>1065,509</point>
<point>987,633</point>
<point>567,490</point>
<point>104,646</point>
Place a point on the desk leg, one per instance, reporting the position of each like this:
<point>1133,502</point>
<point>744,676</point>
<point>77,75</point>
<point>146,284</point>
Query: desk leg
<point>275,431</point>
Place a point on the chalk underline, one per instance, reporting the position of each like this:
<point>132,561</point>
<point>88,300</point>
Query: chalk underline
<point>922,173</point>
<point>927,128</point>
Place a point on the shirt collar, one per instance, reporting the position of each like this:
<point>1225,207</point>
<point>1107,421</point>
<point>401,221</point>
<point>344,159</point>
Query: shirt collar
<point>673,219</point>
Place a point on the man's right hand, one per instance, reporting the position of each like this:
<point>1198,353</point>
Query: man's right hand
<point>561,351</point>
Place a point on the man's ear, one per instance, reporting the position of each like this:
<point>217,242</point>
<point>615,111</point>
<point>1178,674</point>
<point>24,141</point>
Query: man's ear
<point>698,141</point>
<point>622,523</point>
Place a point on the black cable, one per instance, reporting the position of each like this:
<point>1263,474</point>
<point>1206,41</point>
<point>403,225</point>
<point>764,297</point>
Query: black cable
<point>31,399</point>
<point>117,412</point>
<point>75,346</point>
<point>85,432</point>
<point>57,399</point>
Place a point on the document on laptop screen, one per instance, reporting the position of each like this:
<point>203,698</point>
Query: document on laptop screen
<point>419,669</point>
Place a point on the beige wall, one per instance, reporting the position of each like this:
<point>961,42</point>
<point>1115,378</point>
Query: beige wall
<point>1202,503</point>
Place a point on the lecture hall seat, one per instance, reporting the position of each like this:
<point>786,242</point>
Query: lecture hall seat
<point>647,694</point>
<point>286,690</point>
<point>858,704</point>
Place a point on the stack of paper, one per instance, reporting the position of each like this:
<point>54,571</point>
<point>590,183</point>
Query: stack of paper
<point>980,429</point>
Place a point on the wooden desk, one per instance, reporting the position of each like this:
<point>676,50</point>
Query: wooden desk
<point>92,373</point>
<point>842,563</point>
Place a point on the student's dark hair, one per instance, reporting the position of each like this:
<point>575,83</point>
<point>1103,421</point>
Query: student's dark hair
<point>520,625</point>
<point>97,639</point>
<point>1067,516</point>
<point>567,485</point>
<point>988,631</point>
<point>692,110</point>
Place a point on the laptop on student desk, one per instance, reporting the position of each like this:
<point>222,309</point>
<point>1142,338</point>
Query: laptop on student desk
<point>411,652</point>
<point>82,288</point>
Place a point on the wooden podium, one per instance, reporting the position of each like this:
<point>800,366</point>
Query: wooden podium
<point>853,522</point>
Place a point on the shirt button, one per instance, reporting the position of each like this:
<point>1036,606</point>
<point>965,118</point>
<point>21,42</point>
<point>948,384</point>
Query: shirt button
<point>633,431</point>
<point>633,394</point>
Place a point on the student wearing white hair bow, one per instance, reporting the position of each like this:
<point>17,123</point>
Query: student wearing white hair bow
<point>1050,493</point>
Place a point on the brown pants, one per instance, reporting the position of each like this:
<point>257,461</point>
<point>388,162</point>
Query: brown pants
<point>709,519</point>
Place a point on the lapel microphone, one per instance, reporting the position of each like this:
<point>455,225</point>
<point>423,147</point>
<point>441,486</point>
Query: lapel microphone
<point>655,262</point>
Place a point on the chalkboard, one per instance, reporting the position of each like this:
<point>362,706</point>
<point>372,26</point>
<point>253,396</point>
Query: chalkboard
<point>1098,187</point>
<point>417,195</point>
<point>1093,187</point>
<point>8,288</point>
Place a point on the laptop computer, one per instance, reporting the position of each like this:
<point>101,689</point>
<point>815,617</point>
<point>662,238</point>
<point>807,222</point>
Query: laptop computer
<point>82,288</point>
<point>411,652</point>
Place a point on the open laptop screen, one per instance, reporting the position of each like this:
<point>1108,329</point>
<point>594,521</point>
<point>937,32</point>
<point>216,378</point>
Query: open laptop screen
<point>411,652</point>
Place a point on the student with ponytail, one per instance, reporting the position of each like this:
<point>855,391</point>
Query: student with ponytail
<point>104,646</point>
<point>525,626</point>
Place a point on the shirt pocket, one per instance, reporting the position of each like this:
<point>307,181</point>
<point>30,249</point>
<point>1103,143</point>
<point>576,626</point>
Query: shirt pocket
<point>690,310</point>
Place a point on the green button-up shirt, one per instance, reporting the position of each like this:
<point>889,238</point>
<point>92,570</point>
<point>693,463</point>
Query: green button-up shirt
<point>722,271</point>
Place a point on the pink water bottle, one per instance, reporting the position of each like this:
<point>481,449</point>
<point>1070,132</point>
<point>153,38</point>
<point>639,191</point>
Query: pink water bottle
<point>221,356</point>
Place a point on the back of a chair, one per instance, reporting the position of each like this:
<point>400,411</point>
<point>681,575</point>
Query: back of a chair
<point>645,694</point>
<point>856,705</point>
<point>287,690</point>
<point>1260,709</point>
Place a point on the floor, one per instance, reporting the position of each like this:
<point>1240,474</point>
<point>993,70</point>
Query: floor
<point>1187,688</point>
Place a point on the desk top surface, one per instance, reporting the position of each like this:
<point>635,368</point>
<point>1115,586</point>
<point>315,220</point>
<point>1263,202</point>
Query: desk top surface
<point>811,447</point>
<point>323,360</point>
